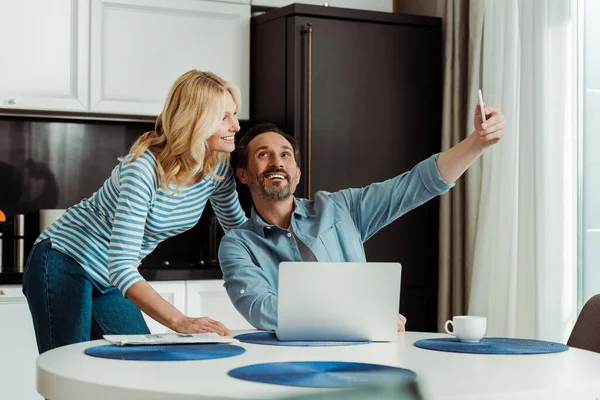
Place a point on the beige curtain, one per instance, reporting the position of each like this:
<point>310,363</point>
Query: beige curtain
<point>463,38</point>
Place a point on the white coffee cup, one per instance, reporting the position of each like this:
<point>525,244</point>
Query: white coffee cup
<point>467,328</point>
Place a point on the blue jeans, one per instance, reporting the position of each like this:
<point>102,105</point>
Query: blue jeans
<point>68,306</point>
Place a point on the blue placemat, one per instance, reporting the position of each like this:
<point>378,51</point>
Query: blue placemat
<point>270,339</point>
<point>320,374</point>
<point>169,352</point>
<point>492,346</point>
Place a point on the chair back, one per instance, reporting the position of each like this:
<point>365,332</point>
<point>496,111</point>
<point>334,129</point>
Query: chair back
<point>586,332</point>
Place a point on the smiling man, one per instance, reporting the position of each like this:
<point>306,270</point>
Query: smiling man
<point>333,226</point>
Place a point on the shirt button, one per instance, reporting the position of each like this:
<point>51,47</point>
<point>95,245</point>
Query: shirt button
<point>242,291</point>
<point>289,234</point>
<point>268,227</point>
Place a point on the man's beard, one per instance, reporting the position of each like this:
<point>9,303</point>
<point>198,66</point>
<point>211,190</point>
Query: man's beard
<point>259,187</point>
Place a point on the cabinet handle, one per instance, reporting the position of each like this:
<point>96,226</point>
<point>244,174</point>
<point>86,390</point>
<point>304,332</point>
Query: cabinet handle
<point>308,32</point>
<point>12,102</point>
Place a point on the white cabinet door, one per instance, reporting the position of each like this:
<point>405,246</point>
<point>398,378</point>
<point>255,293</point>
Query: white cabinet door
<point>18,348</point>
<point>373,5</point>
<point>44,47</point>
<point>139,48</point>
<point>174,293</point>
<point>209,299</point>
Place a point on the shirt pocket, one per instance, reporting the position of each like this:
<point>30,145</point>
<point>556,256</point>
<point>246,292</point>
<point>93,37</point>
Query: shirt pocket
<point>342,243</point>
<point>331,241</point>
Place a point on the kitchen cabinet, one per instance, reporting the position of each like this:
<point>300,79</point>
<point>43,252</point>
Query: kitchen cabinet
<point>174,293</point>
<point>18,348</point>
<point>373,5</point>
<point>139,48</point>
<point>374,82</point>
<point>117,56</point>
<point>45,55</point>
<point>209,299</point>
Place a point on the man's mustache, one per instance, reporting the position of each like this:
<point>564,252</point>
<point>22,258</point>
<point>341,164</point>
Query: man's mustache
<point>275,170</point>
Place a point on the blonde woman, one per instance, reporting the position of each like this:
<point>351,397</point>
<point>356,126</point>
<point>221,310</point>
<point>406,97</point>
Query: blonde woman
<point>81,279</point>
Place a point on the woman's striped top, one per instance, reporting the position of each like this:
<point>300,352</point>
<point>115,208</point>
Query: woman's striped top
<point>110,232</point>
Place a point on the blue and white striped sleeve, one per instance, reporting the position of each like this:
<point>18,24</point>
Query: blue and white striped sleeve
<point>225,201</point>
<point>137,184</point>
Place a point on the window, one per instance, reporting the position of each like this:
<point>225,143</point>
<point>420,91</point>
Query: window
<point>589,252</point>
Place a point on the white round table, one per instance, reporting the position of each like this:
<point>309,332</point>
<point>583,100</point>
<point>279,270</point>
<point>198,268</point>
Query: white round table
<point>66,373</point>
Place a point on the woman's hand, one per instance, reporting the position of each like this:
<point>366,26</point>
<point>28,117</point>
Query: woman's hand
<point>149,301</point>
<point>200,325</point>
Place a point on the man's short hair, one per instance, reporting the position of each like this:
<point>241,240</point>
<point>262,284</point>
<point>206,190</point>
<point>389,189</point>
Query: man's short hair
<point>241,151</point>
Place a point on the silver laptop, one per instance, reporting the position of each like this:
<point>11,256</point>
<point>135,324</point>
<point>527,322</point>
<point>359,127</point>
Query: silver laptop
<point>338,301</point>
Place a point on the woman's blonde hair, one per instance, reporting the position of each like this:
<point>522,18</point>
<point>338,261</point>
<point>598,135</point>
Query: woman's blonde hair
<point>192,113</point>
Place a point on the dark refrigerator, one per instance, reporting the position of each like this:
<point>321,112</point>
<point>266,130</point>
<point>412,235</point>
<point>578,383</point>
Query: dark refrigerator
<point>361,91</point>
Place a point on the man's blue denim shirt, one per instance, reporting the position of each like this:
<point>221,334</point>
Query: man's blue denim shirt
<point>334,226</point>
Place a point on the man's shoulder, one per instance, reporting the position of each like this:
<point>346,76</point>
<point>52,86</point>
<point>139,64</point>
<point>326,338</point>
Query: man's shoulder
<point>245,230</point>
<point>239,242</point>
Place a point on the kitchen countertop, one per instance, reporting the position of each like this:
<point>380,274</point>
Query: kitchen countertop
<point>180,274</point>
<point>11,278</point>
<point>159,273</point>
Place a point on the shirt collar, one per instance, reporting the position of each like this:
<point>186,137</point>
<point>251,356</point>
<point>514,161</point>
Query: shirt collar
<point>260,225</point>
<point>300,208</point>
